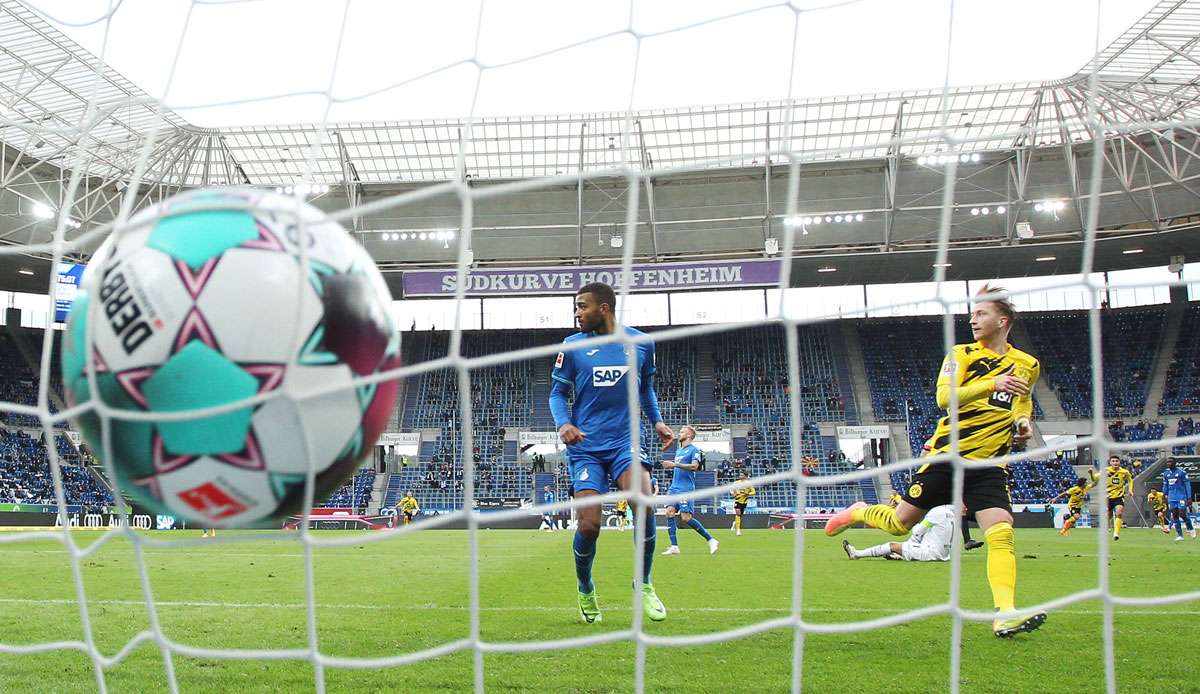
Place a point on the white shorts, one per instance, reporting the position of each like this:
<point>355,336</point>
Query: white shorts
<point>913,550</point>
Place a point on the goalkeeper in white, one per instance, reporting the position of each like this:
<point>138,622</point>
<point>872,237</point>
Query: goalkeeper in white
<point>930,540</point>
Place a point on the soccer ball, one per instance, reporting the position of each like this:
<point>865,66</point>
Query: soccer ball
<point>204,301</point>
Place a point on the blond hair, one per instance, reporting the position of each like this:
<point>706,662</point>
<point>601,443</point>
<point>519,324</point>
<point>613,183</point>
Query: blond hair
<point>994,295</point>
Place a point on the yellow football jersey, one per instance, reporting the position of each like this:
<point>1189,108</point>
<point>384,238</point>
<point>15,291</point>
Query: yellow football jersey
<point>1119,481</point>
<point>985,417</point>
<point>1076,495</point>
<point>742,495</point>
<point>1158,500</point>
<point>409,505</point>
<point>622,505</point>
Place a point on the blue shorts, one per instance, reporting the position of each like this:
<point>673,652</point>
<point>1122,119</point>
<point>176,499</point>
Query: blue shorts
<point>1181,504</point>
<point>598,470</point>
<point>680,506</point>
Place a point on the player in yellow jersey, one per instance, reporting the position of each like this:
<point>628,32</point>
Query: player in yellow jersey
<point>624,515</point>
<point>1120,483</point>
<point>992,381</point>
<point>1158,504</point>
<point>741,496</point>
<point>1076,494</point>
<point>408,506</point>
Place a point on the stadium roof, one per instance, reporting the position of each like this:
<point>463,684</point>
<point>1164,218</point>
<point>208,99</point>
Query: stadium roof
<point>1148,74</point>
<point>714,192</point>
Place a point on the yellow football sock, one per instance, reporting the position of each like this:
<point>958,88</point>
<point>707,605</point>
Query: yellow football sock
<point>1117,527</point>
<point>1001,565</point>
<point>737,522</point>
<point>880,516</point>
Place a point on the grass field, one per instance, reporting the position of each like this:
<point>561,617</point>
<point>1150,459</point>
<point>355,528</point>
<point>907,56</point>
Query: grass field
<point>410,593</point>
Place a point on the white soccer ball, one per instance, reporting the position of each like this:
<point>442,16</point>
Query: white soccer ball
<point>204,301</point>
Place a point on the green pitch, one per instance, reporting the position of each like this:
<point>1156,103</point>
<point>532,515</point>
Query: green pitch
<point>410,593</point>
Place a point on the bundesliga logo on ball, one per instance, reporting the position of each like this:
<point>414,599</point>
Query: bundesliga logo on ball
<point>206,301</point>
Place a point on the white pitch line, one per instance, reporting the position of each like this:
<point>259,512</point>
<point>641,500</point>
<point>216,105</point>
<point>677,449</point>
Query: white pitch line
<point>531,608</point>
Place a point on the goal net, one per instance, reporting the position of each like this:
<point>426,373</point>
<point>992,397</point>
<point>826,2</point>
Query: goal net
<point>1084,162</point>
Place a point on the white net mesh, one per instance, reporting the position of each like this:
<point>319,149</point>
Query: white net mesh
<point>1091,113</point>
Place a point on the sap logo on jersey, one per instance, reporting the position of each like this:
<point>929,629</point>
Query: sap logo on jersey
<point>605,376</point>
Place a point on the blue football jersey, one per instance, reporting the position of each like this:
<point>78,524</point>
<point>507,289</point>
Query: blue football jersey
<point>548,498</point>
<point>601,409</point>
<point>684,480</point>
<point>1176,485</point>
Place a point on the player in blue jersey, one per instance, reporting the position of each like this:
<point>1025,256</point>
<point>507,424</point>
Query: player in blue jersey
<point>1179,496</point>
<point>596,432</point>
<point>683,479</point>
<point>549,520</point>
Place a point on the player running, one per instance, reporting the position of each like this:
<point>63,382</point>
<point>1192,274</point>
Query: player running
<point>1076,495</point>
<point>993,381</point>
<point>1158,504</point>
<point>1120,483</point>
<point>930,540</point>
<point>596,433</point>
<point>683,479</point>
<point>741,496</point>
<point>1179,495</point>
<point>408,506</point>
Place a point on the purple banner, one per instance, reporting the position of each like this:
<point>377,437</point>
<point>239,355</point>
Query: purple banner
<point>566,280</point>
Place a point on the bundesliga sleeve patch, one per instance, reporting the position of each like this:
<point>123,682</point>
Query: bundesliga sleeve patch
<point>948,366</point>
<point>558,361</point>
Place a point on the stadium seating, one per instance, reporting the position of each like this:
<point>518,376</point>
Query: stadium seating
<point>1181,392</point>
<point>25,472</point>
<point>355,494</point>
<point>751,387</point>
<point>18,383</point>
<point>748,392</point>
<point>1139,431</point>
<point>1036,481</point>
<point>746,373</point>
<point>1186,426</point>
<point>1129,341</point>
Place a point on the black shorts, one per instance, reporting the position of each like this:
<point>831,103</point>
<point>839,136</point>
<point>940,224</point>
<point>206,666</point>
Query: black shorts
<point>1164,510</point>
<point>1114,503</point>
<point>739,507</point>
<point>1075,510</point>
<point>983,488</point>
<point>408,515</point>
